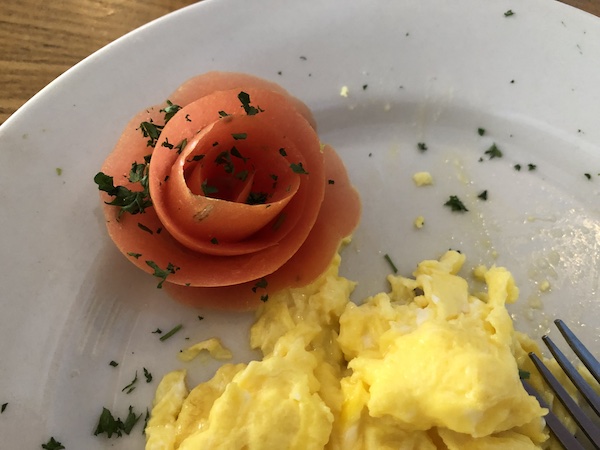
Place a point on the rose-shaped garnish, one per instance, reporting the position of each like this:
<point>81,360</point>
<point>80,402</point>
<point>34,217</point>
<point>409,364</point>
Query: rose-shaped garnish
<point>226,191</point>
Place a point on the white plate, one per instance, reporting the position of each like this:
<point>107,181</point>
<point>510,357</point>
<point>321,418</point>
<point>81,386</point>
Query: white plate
<point>434,72</point>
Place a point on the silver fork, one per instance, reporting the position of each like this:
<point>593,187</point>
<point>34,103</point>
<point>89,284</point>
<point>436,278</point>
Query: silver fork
<point>585,423</point>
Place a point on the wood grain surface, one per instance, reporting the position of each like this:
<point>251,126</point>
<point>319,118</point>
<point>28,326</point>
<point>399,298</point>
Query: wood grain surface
<point>40,39</point>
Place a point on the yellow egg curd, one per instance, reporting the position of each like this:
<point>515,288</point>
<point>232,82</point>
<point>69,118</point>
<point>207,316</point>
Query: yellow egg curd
<point>428,365</point>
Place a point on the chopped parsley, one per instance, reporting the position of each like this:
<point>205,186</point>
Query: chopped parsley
<point>260,284</point>
<point>157,331</point>
<point>524,375</point>
<point>282,152</point>
<point>113,363</point>
<point>53,444</point>
<point>132,202</point>
<point>279,221</point>
<point>59,171</point>
<point>480,131</point>
<point>170,110</point>
<point>143,227</point>
<point>223,114</point>
<point>455,204</point>
<point>257,198</point>
<point>391,263</point>
<point>422,146</point>
<point>3,407</point>
<point>517,167</point>
<point>248,108</point>
<point>509,13</point>
<point>181,146</point>
<point>146,419</point>
<point>162,273</point>
<point>214,241</point>
<point>264,298</point>
<point>298,168</point>
<point>134,255</point>
<point>131,386</point>
<point>330,181</point>
<point>235,152</point>
<point>151,131</point>
<point>167,144</point>
<point>109,425</point>
<point>171,333</point>
<point>588,176</point>
<point>493,152</point>
<point>239,136</point>
<point>147,375</point>
<point>483,195</point>
<point>531,167</point>
<point>208,190</point>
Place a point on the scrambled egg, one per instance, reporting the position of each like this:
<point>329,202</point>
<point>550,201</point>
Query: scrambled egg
<point>428,365</point>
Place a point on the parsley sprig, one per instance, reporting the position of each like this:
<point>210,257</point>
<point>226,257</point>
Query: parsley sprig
<point>109,425</point>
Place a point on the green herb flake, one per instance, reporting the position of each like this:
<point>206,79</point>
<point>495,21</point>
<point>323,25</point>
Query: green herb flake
<point>244,98</point>
<point>239,136</point>
<point>517,167</point>
<point>282,152</point>
<point>330,181</point>
<point>256,198</point>
<point>151,131</point>
<point>181,146</point>
<point>391,263</point>
<point>455,204</point>
<point>524,375</point>
<point>132,202</point>
<point>200,318</point>
<point>483,195</point>
<point>170,110</point>
<point>422,146</point>
<point>260,284</point>
<point>214,241</point>
<point>531,167</point>
<point>131,386</point>
<point>3,407</point>
<point>493,152</point>
<point>242,175</point>
<point>157,331</point>
<point>109,425</point>
<point>208,190</point>
<point>509,13</point>
<point>53,444</point>
<point>162,273</point>
<point>146,419</point>
<point>279,221</point>
<point>298,168</point>
<point>264,298</point>
<point>588,176</point>
<point>147,375</point>
<point>113,363</point>
<point>235,152</point>
<point>223,114</point>
<point>187,118</point>
<point>130,421</point>
<point>480,131</point>
<point>134,255</point>
<point>59,171</point>
<point>143,227</point>
<point>196,158</point>
<point>171,333</point>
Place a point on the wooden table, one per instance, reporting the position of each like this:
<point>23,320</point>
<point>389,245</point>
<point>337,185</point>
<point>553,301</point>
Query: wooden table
<point>40,39</point>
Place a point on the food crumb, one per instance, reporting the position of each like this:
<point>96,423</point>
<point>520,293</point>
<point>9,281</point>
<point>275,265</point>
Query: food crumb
<point>544,286</point>
<point>344,91</point>
<point>419,222</point>
<point>423,179</point>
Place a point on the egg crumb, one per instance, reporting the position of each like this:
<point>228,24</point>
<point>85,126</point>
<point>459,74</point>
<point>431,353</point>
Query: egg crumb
<point>428,364</point>
<point>423,179</point>
<point>344,91</point>
<point>544,286</point>
<point>419,222</point>
<point>213,346</point>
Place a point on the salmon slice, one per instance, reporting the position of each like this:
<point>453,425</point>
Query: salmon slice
<point>240,191</point>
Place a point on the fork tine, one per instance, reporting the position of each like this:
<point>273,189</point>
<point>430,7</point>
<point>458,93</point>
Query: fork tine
<point>584,422</point>
<point>561,432</point>
<point>580,350</point>
<point>586,390</point>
